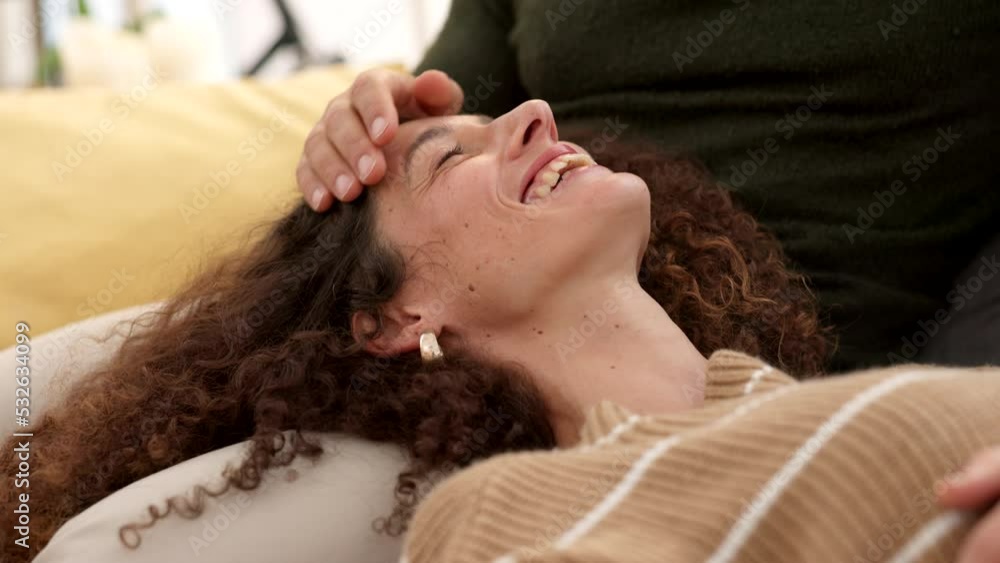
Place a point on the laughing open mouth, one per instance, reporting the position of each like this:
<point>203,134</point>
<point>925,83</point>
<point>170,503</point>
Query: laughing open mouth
<point>552,174</point>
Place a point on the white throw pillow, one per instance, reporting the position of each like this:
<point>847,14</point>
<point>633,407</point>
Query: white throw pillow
<point>306,512</point>
<point>59,357</point>
<point>325,514</point>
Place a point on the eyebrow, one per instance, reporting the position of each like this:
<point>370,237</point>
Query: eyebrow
<point>428,135</point>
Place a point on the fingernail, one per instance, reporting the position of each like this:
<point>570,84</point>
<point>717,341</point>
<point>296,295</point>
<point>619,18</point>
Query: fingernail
<point>365,165</point>
<point>317,198</point>
<point>342,184</point>
<point>378,127</point>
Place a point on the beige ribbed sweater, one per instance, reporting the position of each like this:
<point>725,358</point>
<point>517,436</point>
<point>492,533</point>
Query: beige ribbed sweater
<point>767,470</point>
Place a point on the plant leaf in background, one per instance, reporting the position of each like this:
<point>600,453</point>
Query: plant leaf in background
<point>50,68</point>
<point>139,23</point>
<point>49,64</point>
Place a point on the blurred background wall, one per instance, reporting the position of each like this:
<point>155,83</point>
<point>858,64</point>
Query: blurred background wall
<point>224,38</point>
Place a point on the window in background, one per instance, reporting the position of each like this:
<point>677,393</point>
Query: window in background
<point>208,40</point>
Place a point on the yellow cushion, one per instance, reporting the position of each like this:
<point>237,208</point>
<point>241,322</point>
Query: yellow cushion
<point>112,199</point>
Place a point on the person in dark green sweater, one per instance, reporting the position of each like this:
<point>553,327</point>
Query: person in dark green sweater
<point>862,134</point>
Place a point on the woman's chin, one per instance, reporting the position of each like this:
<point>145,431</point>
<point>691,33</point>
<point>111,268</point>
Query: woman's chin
<point>615,200</point>
<point>627,180</point>
<point>618,190</point>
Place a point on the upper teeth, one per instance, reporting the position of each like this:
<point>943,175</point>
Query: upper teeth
<point>549,176</point>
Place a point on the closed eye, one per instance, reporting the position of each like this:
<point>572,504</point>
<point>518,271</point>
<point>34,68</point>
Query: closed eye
<point>455,151</point>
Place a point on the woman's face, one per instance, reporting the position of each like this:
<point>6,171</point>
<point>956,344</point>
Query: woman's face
<point>465,202</point>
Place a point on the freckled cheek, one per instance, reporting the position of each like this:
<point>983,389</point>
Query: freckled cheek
<point>479,251</point>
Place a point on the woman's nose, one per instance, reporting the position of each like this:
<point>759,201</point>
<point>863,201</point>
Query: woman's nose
<point>530,124</point>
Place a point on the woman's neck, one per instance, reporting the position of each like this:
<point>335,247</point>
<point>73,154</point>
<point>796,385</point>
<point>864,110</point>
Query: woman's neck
<point>607,341</point>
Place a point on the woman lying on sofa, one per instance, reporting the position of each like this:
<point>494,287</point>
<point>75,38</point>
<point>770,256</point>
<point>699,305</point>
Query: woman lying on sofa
<point>498,292</point>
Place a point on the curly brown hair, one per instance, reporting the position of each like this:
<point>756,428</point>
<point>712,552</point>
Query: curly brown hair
<point>258,347</point>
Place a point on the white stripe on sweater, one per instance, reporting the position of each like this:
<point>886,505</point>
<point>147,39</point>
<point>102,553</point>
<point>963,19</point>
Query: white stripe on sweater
<point>616,432</point>
<point>769,494</point>
<point>755,378</point>
<point>622,427</point>
<point>929,535</point>
<point>638,470</point>
<point>624,487</point>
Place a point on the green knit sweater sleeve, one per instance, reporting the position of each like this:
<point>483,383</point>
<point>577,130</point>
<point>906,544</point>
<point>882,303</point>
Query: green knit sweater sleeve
<point>473,48</point>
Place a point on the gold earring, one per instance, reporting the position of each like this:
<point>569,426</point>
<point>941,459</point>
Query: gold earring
<point>429,348</point>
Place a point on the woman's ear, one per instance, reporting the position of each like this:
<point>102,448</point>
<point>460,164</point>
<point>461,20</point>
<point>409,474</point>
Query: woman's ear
<point>400,332</point>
